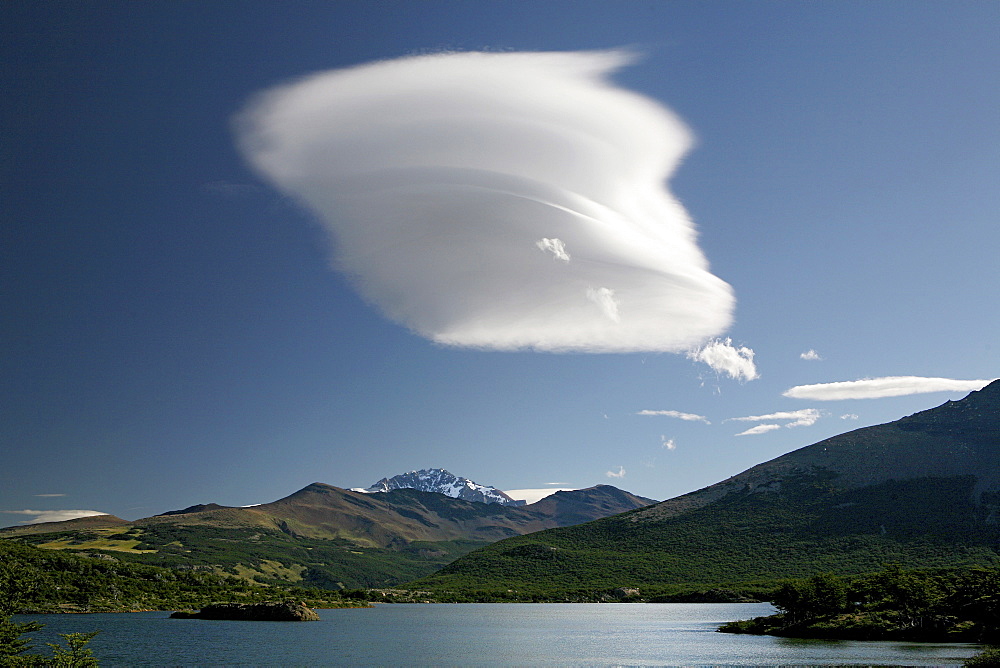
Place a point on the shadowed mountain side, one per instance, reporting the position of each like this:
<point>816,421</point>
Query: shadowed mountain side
<point>958,438</point>
<point>922,491</point>
<point>584,505</point>
<point>197,508</point>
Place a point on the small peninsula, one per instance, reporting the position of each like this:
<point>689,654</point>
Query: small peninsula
<point>894,604</point>
<point>255,612</point>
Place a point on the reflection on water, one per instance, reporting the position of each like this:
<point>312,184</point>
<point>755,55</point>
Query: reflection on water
<point>487,634</point>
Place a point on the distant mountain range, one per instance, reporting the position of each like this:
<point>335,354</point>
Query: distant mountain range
<point>324,535</point>
<point>923,491</point>
<point>442,482</point>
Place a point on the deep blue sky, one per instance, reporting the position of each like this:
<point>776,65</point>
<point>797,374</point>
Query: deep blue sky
<point>172,332</point>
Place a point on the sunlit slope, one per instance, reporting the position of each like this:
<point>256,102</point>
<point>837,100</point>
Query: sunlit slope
<point>80,523</point>
<point>406,515</point>
<point>920,491</point>
<point>326,536</point>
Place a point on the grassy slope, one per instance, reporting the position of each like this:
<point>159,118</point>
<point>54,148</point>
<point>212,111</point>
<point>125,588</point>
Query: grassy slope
<point>262,555</point>
<point>742,538</point>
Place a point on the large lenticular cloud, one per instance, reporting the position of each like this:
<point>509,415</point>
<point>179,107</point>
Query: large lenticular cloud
<point>498,200</point>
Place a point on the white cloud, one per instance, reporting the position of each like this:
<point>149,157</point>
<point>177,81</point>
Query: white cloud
<point>877,388</point>
<point>38,516</point>
<point>690,417</point>
<point>554,246</point>
<point>759,429</point>
<point>849,416</point>
<point>606,301</point>
<point>556,483</point>
<point>619,474</point>
<point>810,355</point>
<point>805,417</point>
<point>533,495</point>
<point>668,443</point>
<point>436,176</point>
<point>48,496</point>
<point>725,358</point>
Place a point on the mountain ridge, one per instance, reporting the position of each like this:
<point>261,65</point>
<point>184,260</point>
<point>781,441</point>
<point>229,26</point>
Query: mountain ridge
<point>325,536</point>
<point>922,491</point>
<point>860,460</point>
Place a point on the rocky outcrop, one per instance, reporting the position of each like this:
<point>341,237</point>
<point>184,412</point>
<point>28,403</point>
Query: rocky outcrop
<point>621,593</point>
<point>256,612</point>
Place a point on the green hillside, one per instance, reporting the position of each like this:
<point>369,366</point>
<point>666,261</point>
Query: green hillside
<point>920,492</point>
<point>50,581</point>
<point>265,556</point>
<point>322,536</point>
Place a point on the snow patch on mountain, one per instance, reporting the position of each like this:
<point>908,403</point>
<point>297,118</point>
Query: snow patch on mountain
<point>442,482</point>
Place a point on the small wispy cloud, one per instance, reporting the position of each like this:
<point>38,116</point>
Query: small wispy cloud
<point>810,355</point>
<point>877,388</point>
<point>38,516</point>
<point>849,416</point>
<point>759,429</point>
<point>690,417</point>
<point>557,484</point>
<point>723,357</point>
<point>668,443</point>
<point>48,496</point>
<point>620,473</point>
<point>606,301</point>
<point>805,417</point>
<point>554,246</point>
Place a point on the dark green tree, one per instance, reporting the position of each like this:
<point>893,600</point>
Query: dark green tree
<point>822,595</point>
<point>76,654</point>
<point>15,584</point>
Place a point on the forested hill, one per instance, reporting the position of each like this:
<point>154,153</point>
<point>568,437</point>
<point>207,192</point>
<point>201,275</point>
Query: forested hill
<point>36,580</point>
<point>920,492</point>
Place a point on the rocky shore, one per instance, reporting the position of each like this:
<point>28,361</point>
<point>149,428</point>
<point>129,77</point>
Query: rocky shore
<point>260,612</point>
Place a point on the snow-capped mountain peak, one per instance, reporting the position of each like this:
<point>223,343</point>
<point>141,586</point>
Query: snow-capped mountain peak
<point>442,482</point>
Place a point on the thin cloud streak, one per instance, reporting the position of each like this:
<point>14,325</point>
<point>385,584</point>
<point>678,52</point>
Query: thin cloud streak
<point>689,417</point>
<point>616,474</point>
<point>805,417</point>
<point>877,388</point>
<point>759,429</point>
<point>441,177</point>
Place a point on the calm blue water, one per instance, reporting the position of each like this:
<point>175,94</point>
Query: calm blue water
<point>488,634</point>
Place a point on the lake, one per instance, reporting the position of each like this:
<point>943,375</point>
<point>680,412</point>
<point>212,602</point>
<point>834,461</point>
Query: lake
<point>479,634</point>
